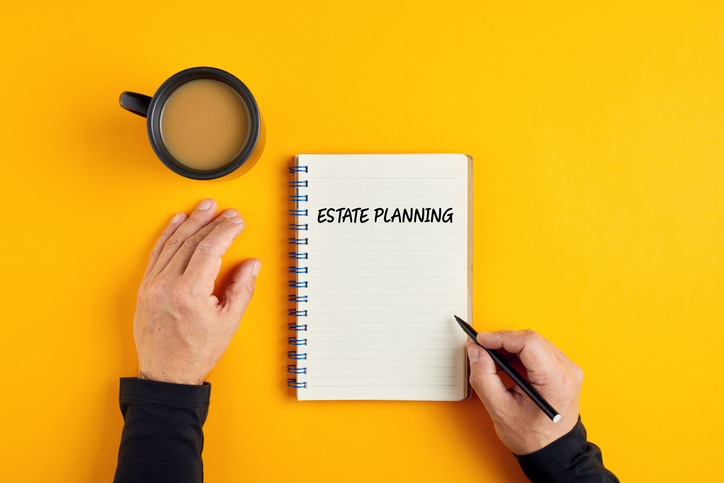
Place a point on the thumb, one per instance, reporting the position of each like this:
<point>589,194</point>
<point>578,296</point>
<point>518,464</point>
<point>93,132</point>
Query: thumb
<point>485,380</point>
<point>239,292</point>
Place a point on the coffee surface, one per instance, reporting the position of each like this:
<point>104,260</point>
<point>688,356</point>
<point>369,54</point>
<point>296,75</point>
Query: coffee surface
<point>204,124</point>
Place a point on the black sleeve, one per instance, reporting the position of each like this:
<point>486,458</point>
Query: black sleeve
<point>569,458</point>
<point>162,437</point>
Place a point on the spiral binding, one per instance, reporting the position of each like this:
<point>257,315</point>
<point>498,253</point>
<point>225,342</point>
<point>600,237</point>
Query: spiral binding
<point>297,241</point>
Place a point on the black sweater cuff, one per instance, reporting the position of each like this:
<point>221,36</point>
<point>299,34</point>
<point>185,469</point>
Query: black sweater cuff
<point>569,458</point>
<point>164,393</point>
<point>162,437</point>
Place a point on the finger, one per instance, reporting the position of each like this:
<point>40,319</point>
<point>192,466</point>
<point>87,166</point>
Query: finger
<point>205,262</point>
<point>167,232</point>
<point>532,348</point>
<point>485,380</point>
<point>238,294</point>
<point>200,217</point>
<point>182,257</point>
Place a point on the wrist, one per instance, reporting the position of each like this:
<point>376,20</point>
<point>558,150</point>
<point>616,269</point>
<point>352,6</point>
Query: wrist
<point>189,381</point>
<point>555,456</point>
<point>538,436</point>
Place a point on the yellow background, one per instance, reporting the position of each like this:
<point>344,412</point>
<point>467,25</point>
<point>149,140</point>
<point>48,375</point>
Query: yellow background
<point>597,134</point>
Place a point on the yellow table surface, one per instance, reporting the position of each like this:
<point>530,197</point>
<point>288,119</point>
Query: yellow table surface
<point>597,134</point>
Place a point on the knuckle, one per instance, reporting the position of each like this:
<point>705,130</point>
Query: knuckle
<point>248,289</point>
<point>191,243</point>
<point>172,242</point>
<point>156,252</point>
<point>532,335</point>
<point>206,247</point>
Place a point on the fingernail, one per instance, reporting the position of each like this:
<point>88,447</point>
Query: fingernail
<point>177,217</point>
<point>230,212</point>
<point>236,219</point>
<point>205,205</point>
<point>473,353</point>
<point>257,267</point>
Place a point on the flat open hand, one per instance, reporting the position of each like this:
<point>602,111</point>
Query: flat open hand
<point>181,329</point>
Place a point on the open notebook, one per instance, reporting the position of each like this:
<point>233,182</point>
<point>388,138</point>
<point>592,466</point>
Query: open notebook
<point>382,260</point>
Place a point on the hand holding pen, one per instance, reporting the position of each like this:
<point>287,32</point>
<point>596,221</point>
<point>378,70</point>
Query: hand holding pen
<point>519,422</point>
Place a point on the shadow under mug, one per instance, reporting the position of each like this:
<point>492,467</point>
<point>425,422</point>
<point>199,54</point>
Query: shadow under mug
<point>152,107</point>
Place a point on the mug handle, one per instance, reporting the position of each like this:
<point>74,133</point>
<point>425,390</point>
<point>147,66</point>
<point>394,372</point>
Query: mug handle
<point>136,103</point>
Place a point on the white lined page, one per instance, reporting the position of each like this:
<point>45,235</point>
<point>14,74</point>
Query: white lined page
<point>381,295</point>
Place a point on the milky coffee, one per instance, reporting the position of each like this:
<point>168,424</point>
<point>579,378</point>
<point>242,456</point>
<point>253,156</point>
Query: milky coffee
<point>204,124</point>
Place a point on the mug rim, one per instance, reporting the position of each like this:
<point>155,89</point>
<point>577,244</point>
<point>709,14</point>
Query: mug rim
<point>155,108</point>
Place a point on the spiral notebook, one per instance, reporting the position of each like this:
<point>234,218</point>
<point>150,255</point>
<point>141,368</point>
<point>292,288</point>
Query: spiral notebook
<point>381,261</point>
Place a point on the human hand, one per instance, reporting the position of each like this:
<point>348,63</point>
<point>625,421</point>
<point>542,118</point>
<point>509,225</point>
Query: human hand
<point>181,329</point>
<point>518,421</point>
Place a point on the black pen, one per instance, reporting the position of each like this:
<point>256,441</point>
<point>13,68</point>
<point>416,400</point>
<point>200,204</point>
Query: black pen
<point>510,371</point>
